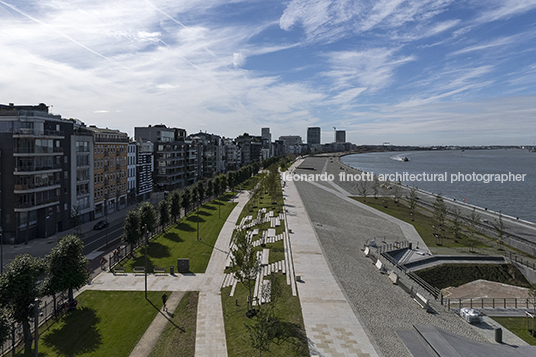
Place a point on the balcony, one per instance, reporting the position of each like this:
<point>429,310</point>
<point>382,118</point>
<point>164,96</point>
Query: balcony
<point>39,151</point>
<point>26,133</point>
<point>36,187</point>
<point>27,206</point>
<point>27,169</point>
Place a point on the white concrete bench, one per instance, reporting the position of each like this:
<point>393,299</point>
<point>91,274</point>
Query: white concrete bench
<point>422,301</point>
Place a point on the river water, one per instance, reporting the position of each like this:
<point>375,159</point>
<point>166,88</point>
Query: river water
<point>472,175</point>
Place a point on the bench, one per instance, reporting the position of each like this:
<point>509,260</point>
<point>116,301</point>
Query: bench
<point>158,270</point>
<point>422,301</point>
<point>119,269</point>
<point>139,270</point>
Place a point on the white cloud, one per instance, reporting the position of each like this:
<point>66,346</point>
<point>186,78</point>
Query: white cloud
<point>238,59</point>
<point>373,69</point>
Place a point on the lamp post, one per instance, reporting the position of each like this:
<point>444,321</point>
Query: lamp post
<point>198,222</point>
<point>36,326</point>
<point>146,238</point>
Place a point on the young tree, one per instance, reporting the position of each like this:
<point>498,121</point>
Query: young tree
<point>147,216</point>
<point>175,205</point>
<point>245,264</point>
<point>499,230</point>
<point>217,186</point>
<point>397,192</point>
<point>474,221</point>
<point>223,183</point>
<point>439,214</point>
<point>163,214</point>
<point>66,266</point>
<point>132,230</point>
<point>77,220</point>
<point>210,188</point>
<point>362,189</point>
<point>456,223</point>
<point>186,200</point>
<point>260,331</point>
<point>201,190</point>
<point>375,187</point>
<point>231,177</point>
<point>19,289</point>
<point>5,327</point>
<point>412,201</point>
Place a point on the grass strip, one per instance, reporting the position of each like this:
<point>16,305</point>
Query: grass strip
<point>180,241</point>
<point>518,326</point>
<point>106,323</point>
<point>178,337</point>
<point>292,342</point>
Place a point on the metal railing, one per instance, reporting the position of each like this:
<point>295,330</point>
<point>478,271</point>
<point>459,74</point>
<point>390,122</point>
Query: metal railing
<point>490,303</point>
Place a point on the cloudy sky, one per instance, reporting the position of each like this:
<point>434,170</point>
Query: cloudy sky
<point>407,72</point>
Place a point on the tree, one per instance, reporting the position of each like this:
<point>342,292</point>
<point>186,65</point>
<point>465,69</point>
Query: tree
<point>261,331</point>
<point>397,192</point>
<point>499,229</point>
<point>375,186</point>
<point>5,327</point>
<point>474,221</point>
<point>19,289</point>
<point>147,216</point>
<point>163,214</point>
<point>217,186</point>
<point>245,264</point>
<point>210,188</point>
<point>412,201</point>
<point>66,266</point>
<point>362,189</point>
<point>195,195</point>
<point>132,228</point>
<point>439,214</point>
<point>223,183</point>
<point>185,200</point>
<point>77,220</point>
<point>231,177</point>
<point>201,190</point>
<point>175,204</point>
<point>456,223</point>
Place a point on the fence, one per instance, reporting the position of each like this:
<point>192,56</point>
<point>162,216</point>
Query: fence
<point>47,310</point>
<point>490,303</point>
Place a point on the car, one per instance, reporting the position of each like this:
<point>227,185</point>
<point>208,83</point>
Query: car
<point>101,224</point>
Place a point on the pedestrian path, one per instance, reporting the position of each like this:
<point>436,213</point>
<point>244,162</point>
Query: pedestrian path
<point>330,323</point>
<point>151,335</point>
<point>210,331</point>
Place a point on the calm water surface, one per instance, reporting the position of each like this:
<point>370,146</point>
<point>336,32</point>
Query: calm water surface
<point>514,198</point>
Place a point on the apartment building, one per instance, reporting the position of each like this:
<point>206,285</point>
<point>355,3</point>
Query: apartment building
<point>35,158</point>
<point>110,170</point>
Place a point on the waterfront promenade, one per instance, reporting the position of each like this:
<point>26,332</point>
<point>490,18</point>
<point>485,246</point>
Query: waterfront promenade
<point>343,226</point>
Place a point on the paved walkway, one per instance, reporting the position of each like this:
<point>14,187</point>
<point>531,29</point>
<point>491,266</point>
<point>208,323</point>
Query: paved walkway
<point>331,326</point>
<point>150,337</point>
<point>210,334</point>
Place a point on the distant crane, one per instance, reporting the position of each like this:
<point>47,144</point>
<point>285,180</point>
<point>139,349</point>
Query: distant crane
<point>334,134</point>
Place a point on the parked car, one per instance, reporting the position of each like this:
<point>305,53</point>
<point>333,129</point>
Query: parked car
<point>101,224</point>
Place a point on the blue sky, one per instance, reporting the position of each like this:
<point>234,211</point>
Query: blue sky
<point>435,72</point>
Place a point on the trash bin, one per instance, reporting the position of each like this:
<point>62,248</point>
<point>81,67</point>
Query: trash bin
<point>498,335</point>
<point>171,269</point>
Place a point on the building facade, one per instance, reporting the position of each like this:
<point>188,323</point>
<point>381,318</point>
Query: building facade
<point>35,158</point>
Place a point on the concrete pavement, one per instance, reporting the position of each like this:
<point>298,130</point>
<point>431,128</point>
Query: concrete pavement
<point>331,326</point>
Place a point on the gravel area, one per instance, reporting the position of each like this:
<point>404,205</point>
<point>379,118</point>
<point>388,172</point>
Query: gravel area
<point>383,308</point>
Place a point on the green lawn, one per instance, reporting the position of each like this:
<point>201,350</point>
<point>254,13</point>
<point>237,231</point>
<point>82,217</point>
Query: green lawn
<point>106,323</point>
<point>291,342</point>
<point>178,337</point>
<point>422,222</point>
<point>180,241</point>
<point>518,325</point>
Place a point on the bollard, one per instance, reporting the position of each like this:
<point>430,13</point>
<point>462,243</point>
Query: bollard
<point>171,269</point>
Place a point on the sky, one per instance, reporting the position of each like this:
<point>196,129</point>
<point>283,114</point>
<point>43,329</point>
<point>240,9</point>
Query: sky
<point>431,72</point>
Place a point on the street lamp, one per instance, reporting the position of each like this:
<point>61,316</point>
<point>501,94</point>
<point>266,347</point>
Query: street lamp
<point>146,238</point>
<point>198,222</point>
<point>36,326</point>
